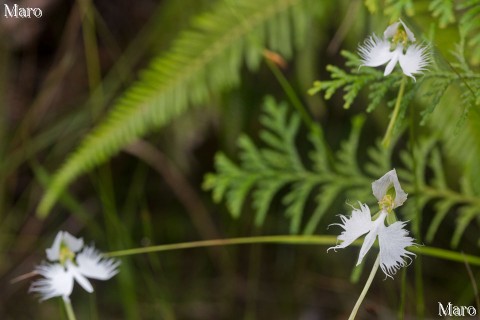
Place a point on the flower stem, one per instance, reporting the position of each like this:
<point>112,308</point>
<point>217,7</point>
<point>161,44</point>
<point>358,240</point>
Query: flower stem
<point>388,135</point>
<point>69,309</point>
<point>365,289</point>
<point>305,240</point>
<point>291,240</point>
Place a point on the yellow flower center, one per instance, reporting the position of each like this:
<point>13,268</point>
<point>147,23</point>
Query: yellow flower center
<point>387,203</point>
<point>65,254</point>
<point>400,36</point>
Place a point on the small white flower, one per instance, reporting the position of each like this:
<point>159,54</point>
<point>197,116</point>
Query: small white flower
<point>70,260</point>
<point>392,239</point>
<point>397,45</point>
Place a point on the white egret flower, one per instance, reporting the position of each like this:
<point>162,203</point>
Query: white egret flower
<point>397,45</point>
<point>70,260</point>
<point>392,239</point>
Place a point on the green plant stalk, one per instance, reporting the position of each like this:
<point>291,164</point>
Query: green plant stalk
<point>403,291</point>
<point>115,232</point>
<point>290,92</point>
<point>365,289</point>
<point>292,240</point>
<point>420,305</point>
<point>416,226</point>
<point>91,53</point>
<point>295,100</point>
<point>69,309</point>
<point>388,135</point>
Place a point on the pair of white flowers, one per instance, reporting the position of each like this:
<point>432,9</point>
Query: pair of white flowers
<point>397,45</point>
<point>392,239</point>
<point>70,260</point>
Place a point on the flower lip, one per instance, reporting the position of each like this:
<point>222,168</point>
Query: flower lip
<point>381,186</point>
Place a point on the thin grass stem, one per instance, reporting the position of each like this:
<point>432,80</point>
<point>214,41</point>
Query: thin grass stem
<point>292,240</point>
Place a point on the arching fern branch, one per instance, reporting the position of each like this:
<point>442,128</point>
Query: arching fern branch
<point>264,171</point>
<point>277,167</point>
<point>433,84</point>
<point>204,59</point>
<point>464,201</point>
<point>470,26</point>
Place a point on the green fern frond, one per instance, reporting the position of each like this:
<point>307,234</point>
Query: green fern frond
<point>441,209</point>
<point>204,59</point>
<point>347,155</point>
<point>434,93</point>
<point>470,26</point>
<point>446,199</point>
<point>436,82</point>
<point>396,8</point>
<point>372,5</point>
<point>465,217</point>
<point>295,202</point>
<point>379,159</point>
<point>353,81</point>
<point>278,165</point>
<point>265,170</point>
<point>443,10</point>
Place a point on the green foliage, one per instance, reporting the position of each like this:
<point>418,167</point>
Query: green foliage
<point>372,5</point>
<point>467,12</point>
<point>395,8</point>
<point>461,146</point>
<point>470,26</point>
<point>354,80</point>
<point>204,59</point>
<point>465,201</point>
<point>435,82</point>
<point>264,171</point>
<point>443,10</point>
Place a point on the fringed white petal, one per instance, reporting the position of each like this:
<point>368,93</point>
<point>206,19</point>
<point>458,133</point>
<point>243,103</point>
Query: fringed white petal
<point>57,282</point>
<point>392,241</point>
<point>93,265</point>
<point>375,228</point>
<point>359,223</point>
<point>375,52</point>
<point>414,60</point>
<point>381,186</point>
